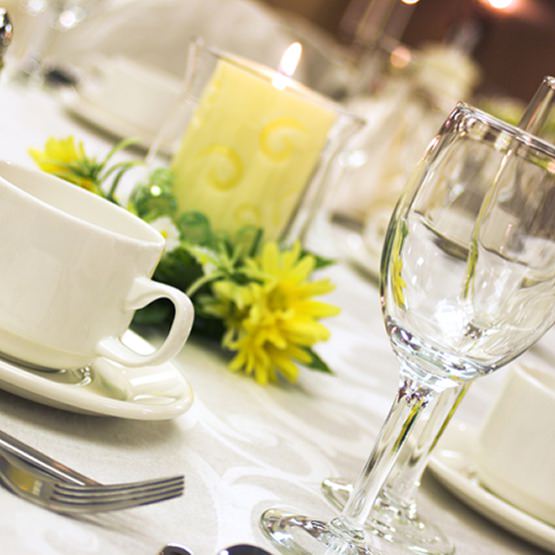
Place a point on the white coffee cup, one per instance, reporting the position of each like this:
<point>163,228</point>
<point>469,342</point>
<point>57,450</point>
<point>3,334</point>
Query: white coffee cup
<point>515,453</point>
<point>75,267</point>
<point>134,92</point>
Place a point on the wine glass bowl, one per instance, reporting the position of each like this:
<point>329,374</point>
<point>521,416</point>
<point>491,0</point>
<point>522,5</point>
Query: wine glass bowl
<point>468,262</point>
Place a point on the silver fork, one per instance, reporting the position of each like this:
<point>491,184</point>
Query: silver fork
<point>42,462</point>
<point>74,498</point>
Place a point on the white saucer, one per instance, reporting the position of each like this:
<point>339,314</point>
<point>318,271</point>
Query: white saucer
<point>85,109</point>
<point>452,464</point>
<point>148,393</point>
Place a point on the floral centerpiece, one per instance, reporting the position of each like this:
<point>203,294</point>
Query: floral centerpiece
<point>254,296</point>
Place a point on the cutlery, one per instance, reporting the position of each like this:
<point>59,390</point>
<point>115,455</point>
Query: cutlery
<point>243,549</point>
<point>239,549</point>
<point>74,498</point>
<point>42,462</point>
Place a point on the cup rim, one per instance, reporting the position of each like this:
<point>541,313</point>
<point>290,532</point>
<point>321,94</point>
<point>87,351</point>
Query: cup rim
<point>524,137</point>
<point>255,68</point>
<point>154,237</point>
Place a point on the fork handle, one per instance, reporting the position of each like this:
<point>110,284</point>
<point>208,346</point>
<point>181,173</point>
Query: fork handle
<point>42,462</point>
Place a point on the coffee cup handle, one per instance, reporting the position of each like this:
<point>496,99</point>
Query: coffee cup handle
<point>143,292</point>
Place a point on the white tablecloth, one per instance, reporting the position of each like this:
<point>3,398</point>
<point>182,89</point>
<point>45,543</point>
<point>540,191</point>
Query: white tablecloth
<point>242,447</point>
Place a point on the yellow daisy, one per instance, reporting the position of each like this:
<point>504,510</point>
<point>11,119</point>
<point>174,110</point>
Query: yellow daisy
<point>272,322</point>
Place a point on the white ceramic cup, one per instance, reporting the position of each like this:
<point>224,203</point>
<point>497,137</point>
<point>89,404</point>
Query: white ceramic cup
<point>139,94</point>
<point>515,453</point>
<point>75,267</point>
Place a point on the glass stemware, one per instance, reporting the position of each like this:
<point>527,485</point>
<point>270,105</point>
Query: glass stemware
<point>394,516</point>
<point>43,21</point>
<point>467,286</point>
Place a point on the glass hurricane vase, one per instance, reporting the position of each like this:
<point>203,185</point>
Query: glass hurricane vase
<point>250,146</point>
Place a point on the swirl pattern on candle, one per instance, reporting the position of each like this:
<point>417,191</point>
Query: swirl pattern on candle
<point>223,167</point>
<point>280,138</point>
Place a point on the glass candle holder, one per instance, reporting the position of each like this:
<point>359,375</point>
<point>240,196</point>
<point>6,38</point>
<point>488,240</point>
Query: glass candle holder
<point>249,145</point>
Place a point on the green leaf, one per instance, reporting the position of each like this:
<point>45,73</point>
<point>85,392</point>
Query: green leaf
<point>195,228</point>
<point>321,261</point>
<point>154,198</point>
<point>156,313</point>
<point>122,145</point>
<point>246,242</point>
<point>178,268</point>
<point>317,363</point>
<point>205,256</point>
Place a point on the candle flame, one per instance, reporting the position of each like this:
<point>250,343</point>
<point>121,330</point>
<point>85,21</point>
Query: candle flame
<point>410,2</point>
<point>288,64</point>
<point>291,58</point>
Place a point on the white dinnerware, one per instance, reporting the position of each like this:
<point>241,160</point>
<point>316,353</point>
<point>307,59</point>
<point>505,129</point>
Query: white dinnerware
<point>75,267</point>
<point>454,465</point>
<point>515,454</point>
<point>158,392</point>
<point>143,96</point>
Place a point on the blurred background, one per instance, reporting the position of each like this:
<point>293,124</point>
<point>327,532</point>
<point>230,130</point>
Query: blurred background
<point>401,65</point>
<point>513,41</point>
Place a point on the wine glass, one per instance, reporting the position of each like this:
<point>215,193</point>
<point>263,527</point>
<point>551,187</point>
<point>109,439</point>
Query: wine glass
<point>395,517</point>
<point>468,275</point>
<point>43,20</point>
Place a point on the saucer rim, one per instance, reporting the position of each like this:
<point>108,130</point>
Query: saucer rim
<point>520,523</point>
<point>84,400</point>
<point>86,110</point>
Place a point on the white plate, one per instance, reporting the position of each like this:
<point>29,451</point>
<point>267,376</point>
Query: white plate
<point>452,464</point>
<point>148,393</point>
<point>84,109</point>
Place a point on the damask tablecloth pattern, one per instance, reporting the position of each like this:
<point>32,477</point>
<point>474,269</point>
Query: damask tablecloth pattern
<point>242,447</point>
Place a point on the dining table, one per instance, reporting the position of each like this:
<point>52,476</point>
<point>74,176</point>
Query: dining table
<point>242,447</point>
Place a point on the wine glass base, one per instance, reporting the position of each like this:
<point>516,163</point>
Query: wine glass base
<point>294,534</point>
<point>392,524</point>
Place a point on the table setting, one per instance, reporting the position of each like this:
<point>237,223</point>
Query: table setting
<point>222,289</point>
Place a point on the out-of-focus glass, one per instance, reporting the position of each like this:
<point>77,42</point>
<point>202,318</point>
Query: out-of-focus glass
<point>250,146</point>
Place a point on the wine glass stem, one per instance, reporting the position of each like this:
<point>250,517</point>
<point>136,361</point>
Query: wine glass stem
<point>404,480</point>
<point>413,401</point>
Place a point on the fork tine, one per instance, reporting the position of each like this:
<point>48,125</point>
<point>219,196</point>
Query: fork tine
<point>73,489</point>
<point>71,506</point>
<point>116,499</point>
<point>45,492</point>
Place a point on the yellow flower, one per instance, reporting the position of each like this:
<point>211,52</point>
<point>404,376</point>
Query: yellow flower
<point>273,320</point>
<point>68,160</point>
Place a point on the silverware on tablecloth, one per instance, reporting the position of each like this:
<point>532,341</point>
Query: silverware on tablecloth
<point>39,460</point>
<point>63,497</point>
<point>239,549</point>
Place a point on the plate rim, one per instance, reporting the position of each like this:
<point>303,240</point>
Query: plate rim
<point>479,498</point>
<point>85,109</point>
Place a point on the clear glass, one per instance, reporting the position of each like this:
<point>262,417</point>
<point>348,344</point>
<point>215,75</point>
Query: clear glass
<point>468,275</point>
<point>394,517</point>
<point>39,24</point>
<point>249,145</point>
